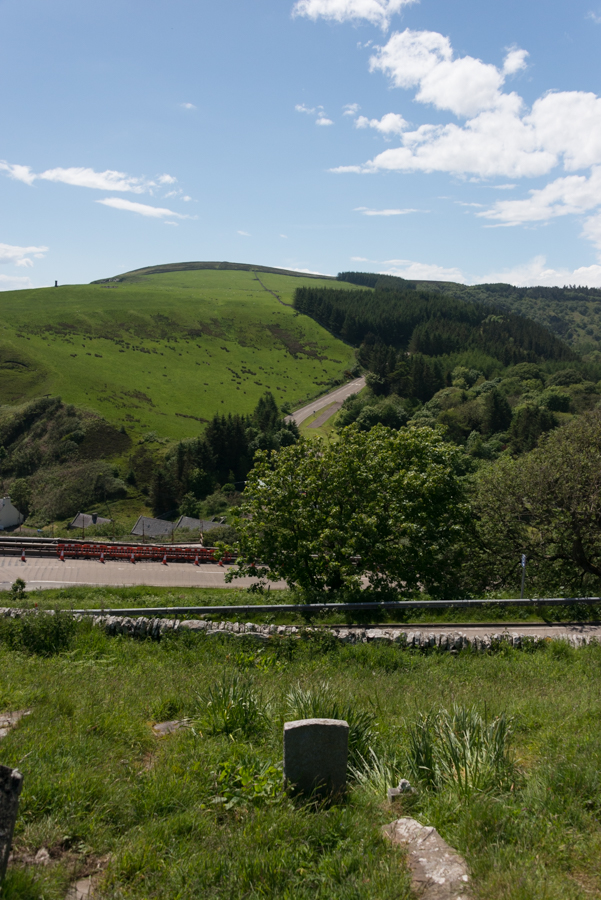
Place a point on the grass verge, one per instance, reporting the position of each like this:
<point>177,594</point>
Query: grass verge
<point>201,811</point>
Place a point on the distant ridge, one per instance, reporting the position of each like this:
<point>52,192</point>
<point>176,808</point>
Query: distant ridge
<point>191,266</point>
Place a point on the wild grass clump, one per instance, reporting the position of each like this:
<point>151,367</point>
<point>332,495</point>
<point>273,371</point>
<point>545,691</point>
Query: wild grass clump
<point>322,702</point>
<point>40,633</point>
<point>233,706</point>
<point>461,750</point>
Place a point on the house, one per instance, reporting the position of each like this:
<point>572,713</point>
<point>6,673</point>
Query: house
<point>86,520</point>
<point>9,514</point>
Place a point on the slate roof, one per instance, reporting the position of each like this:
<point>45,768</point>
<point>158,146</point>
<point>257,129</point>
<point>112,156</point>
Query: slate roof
<point>147,527</point>
<point>86,520</point>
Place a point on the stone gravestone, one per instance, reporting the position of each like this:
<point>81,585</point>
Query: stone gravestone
<point>11,782</point>
<point>315,756</point>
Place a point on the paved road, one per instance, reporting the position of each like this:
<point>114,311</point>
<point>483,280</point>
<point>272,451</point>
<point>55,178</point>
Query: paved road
<point>52,573</point>
<point>339,394</point>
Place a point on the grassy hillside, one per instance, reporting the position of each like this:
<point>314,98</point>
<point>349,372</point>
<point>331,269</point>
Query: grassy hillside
<point>164,352</point>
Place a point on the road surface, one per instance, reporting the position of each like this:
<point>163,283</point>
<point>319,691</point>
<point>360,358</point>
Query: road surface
<point>52,573</point>
<point>338,395</point>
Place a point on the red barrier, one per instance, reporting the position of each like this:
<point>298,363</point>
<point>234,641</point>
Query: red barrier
<point>135,552</point>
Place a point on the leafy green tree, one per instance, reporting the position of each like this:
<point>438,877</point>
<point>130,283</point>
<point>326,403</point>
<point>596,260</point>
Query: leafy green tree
<point>387,506</point>
<point>20,495</point>
<point>529,422</point>
<point>546,504</point>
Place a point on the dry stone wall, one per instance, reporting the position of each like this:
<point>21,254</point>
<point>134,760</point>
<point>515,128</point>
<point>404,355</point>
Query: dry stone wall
<point>453,642</point>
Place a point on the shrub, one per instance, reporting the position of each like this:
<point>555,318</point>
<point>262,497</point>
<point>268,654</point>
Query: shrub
<point>37,632</point>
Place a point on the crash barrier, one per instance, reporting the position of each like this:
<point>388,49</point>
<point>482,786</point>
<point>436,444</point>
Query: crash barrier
<point>310,609</point>
<point>142,553</point>
<point>28,547</point>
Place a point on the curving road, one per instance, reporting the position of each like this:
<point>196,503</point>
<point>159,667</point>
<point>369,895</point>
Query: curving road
<point>339,395</point>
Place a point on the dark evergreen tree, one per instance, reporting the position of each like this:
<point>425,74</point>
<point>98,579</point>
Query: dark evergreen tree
<point>497,413</point>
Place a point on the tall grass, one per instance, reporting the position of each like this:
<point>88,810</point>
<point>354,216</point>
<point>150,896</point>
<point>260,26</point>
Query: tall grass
<point>233,706</point>
<point>463,750</point>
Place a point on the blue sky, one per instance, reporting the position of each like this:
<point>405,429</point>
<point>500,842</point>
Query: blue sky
<point>434,139</point>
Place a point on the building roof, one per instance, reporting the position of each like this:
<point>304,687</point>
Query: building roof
<point>195,524</point>
<point>86,520</point>
<point>148,527</point>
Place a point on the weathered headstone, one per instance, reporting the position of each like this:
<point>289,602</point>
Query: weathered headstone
<point>11,782</point>
<point>315,756</point>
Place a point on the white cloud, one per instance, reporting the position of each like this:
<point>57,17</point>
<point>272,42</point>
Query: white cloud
<point>536,272</point>
<point>14,283</point>
<point>244,233</point>
<point>500,137</point>
<point>515,61</point>
<point>17,173</point>
<point>565,196</point>
<point>108,180</point>
<point>187,106</point>
<point>391,123</point>
<point>385,212</point>
<point>171,223</point>
<point>20,256</point>
<point>378,12</point>
<point>351,109</point>
<point>594,17</point>
<point>318,111</point>
<point>186,199</point>
<point>425,59</point>
<point>406,268</point>
<point>82,176</point>
<point>359,259</point>
<point>154,212</point>
<point>284,236</point>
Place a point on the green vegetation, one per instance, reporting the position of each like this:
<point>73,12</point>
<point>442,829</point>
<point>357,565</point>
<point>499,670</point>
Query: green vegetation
<point>508,740</point>
<point>218,462</point>
<point>573,313</point>
<point>164,353</point>
<point>379,505</point>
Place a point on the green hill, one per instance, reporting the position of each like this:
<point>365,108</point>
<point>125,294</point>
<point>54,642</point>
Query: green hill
<point>163,349</point>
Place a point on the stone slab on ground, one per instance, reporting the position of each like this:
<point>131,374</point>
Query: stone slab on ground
<point>8,720</point>
<point>315,756</point>
<point>11,782</point>
<point>438,872</point>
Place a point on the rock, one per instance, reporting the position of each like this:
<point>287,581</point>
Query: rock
<point>42,857</point>
<point>8,720</point>
<point>163,728</point>
<point>403,789</point>
<point>81,890</point>
<point>11,782</point>
<point>315,756</point>
<point>438,872</point>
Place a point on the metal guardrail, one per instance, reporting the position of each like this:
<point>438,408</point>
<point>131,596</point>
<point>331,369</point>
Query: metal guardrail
<point>337,607</point>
